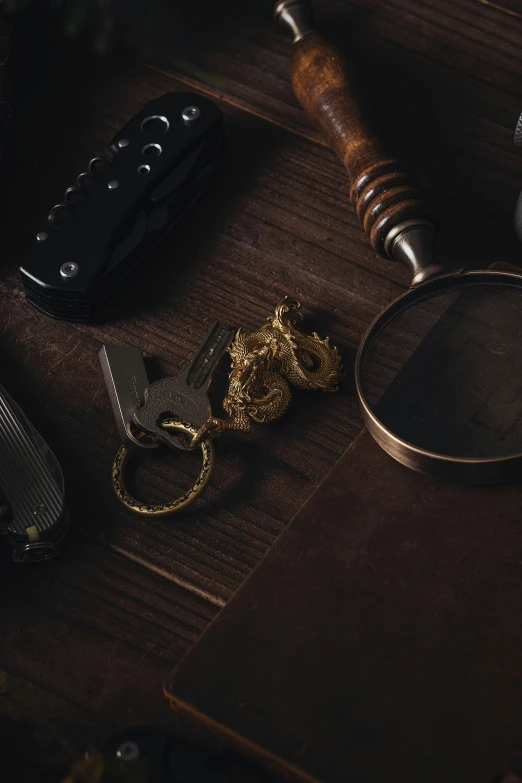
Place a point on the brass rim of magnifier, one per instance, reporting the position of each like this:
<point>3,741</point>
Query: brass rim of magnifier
<point>474,470</point>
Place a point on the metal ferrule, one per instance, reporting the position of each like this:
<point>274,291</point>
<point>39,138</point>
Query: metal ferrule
<point>411,243</point>
<point>294,16</point>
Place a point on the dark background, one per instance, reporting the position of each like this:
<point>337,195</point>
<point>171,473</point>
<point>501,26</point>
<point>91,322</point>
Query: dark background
<point>89,639</point>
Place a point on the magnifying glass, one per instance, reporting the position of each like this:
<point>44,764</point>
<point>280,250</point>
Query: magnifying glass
<point>439,371</point>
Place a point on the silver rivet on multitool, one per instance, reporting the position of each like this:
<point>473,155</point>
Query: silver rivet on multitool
<point>128,751</point>
<point>191,114</point>
<point>70,269</point>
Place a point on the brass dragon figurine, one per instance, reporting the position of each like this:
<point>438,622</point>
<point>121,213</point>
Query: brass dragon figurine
<point>266,363</point>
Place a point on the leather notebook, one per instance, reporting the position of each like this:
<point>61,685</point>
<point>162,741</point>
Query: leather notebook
<point>380,639</point>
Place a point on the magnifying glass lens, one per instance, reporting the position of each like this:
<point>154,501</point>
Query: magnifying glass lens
<point>445,373</point>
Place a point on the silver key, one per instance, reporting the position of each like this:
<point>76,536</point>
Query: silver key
<point>126,378</point>
<point>184,395</point>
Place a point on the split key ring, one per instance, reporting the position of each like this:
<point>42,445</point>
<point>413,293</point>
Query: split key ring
<point>165,509</point>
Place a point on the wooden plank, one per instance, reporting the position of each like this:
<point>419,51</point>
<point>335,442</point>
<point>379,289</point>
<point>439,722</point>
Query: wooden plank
<point>238,272</point>
<point>56,731</point>
<point>259,479</point>
<point>509,7</point>
<point>97,630</point>
<point>87,642</point>
<point>278,221</point>
<point>442,76</point>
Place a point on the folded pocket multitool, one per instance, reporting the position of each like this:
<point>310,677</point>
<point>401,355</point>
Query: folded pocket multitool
<point>118,209</point>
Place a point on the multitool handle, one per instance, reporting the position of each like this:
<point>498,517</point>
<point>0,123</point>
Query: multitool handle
<point>391,204</point>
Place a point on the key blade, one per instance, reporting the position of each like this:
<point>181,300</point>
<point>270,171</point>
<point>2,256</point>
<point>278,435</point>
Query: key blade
<point>207,357</point>
<point>126,379</point>
<point>184,396</point>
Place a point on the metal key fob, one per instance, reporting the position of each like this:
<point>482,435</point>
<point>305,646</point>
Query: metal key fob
<point>126,379</point>
<point>184,395</point>
<point>33,517</point>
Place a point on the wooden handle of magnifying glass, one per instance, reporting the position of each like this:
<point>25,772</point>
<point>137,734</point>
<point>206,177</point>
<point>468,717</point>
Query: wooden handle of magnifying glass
<point>384,194</point>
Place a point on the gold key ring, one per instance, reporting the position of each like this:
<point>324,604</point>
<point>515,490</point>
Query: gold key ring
<point>164,509</point>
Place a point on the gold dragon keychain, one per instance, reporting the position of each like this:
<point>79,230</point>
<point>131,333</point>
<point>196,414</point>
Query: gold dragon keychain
<point>266,363</point>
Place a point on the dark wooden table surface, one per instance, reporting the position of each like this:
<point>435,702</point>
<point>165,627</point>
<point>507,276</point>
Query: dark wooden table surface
<point>88,639</point>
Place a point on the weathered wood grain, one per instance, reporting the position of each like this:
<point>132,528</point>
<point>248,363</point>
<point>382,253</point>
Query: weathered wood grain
<point>87,641</point>
<point>259,479</point>
<point>444,77</point>
<point>270,227</point>
<point>278,220</point>
<point>510,7</point>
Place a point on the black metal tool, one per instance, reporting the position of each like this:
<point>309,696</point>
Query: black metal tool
<point>117,210</point>
<point>33,517</point>
<point>126,379</point>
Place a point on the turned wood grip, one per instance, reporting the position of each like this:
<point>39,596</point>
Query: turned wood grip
<point>382,191</point>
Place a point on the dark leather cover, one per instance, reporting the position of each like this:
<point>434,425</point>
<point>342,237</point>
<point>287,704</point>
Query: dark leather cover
<point>381,637</point>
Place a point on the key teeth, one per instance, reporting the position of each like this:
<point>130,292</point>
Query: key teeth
<point>187,389</point>
<point>219,336</point>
